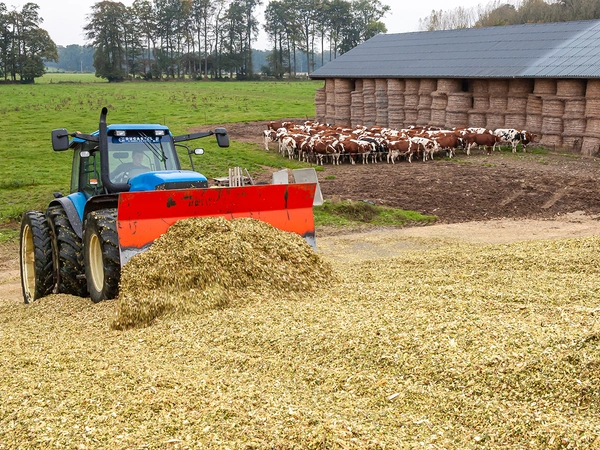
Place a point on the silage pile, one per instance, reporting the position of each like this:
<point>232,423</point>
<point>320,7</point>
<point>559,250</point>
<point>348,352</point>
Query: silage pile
<point>205,263</point>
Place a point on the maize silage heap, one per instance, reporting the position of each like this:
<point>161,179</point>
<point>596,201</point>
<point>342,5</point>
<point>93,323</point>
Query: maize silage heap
<point>205,263</point>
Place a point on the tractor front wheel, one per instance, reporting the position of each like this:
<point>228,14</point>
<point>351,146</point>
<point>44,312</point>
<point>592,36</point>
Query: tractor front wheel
<point>37,274</point>
<point>101,254</point>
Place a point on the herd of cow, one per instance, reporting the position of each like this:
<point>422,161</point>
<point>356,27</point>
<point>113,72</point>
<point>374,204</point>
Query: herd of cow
<point>320,143</point>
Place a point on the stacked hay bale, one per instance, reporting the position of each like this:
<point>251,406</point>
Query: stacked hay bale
<point>369,103</point>
<point>320,105</point>
<point>358,107</point>
<point>381,102</point>
<point>426,87</point>
<point>516,107</point>
<point>553,109</point>
<point>591,141</point>
<point>343,100</point>
<point>572,92</point>
<point>457,111</point>
<point>439,102</point>
<point>481,104</point>
<point>533,121</point>
<point>498,98</point>
<point>411,101</point>
<point>395,89</point>
<point>201,264</point>
<point>329,100</point>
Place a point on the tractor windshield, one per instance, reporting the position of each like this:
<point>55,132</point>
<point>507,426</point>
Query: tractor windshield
<point>137,153</point>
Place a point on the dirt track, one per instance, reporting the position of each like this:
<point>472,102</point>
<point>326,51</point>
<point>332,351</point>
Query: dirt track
<point>489,199</point>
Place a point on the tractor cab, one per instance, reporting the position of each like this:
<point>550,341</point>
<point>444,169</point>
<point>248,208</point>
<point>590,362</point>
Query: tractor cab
<point>136,158</point>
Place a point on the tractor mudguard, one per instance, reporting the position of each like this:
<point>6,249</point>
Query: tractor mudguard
<point>143,216</point>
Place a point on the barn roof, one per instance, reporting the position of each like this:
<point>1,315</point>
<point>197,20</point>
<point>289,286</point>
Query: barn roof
<point>556,50</point>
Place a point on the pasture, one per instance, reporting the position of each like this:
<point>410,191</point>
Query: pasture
<point>31,171</point>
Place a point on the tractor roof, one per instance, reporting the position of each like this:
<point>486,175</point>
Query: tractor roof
<point>126,127</point>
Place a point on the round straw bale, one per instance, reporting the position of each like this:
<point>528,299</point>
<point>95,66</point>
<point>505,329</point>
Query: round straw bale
<point>570,88</point>
<point>480,87</point>
<point>544,86</point>
<point>423,116</point>
<point>381,85</point>
<point>516,104</point>
<point>574,127</point>
<point>498,103</point>
<point>439,100</point>
<point>396,119</point>
<point>481,103</point>
<point>573,143</point>
<point>551,140</point>
<point>447,85</point>
<point>330,84</point>
<point>411,101</point>
<point>552,125</point>
<point>553,106</point>
<point>358,85</point>
<point>412,85</point>
<point>534,104</point>
<point>438,117</point>
<point>533,123</point>
<point>498,88</point>
<point>575,107</point>
<point>592,127</point>
<point>357,111</point>
<point>410,116</point>
<point>459,102</point>
<point>395,85</point>
<point>477,119</point>
<point>592,89</point>
<point>425,100</point>
<point>515,120</point>
<point>494,121</point>
<point>368,86</point>
<point>520,86</point>
<point>590,146</point>
<point>592,107</point>
<point>201,264</point>
<point>456,119</point>
<point>343,86</point>
<point>427,85</point>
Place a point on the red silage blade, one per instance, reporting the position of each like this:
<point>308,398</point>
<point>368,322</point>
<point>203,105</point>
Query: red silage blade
<point>144,216</point>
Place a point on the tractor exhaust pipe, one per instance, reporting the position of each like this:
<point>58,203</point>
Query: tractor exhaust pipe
<point>103,147</point>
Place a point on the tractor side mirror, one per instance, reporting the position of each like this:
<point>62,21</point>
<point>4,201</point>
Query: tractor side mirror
<point>60,139</point>
<point>222,137</point>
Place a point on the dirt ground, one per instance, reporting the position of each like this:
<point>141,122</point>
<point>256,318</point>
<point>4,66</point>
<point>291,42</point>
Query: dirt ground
<point>489,199</point>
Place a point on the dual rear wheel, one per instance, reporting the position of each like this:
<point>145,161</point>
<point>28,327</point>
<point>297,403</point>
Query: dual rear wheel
<point>54,259</point>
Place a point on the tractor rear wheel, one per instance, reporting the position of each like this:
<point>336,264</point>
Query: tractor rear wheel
<point>101,254</point>
<point>67,250</point>
<point>37,275</point>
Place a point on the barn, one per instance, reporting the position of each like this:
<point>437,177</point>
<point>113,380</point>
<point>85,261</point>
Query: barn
<point>544,78</point>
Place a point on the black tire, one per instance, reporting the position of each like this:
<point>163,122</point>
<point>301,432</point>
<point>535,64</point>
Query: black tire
<point>67,254</point>
<point>101,254</point>
<point>35,256</point>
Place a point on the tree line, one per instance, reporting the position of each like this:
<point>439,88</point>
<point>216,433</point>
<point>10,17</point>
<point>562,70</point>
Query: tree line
<point>214,38</point>
<point>24,46</point>
<point>497,13</point>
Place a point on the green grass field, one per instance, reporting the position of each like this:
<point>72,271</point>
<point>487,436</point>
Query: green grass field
<point>31,171</point>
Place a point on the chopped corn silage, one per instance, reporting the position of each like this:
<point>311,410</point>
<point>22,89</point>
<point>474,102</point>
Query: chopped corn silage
<point>205,263</point>
<point>460,347</point>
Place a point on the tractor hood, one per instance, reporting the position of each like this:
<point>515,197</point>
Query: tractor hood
<point>166,180</point>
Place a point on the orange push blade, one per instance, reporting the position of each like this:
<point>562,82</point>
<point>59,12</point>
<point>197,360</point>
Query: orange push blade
<point>143,216</point>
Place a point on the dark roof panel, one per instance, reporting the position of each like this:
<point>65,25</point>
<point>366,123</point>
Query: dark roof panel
<point>561,50</point>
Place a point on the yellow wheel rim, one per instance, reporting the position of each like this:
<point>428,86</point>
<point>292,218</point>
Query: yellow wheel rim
<point>96,264</point>
<point>28,261</point>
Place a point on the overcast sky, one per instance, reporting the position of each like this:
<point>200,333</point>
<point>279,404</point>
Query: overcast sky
<point>64,19</point>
